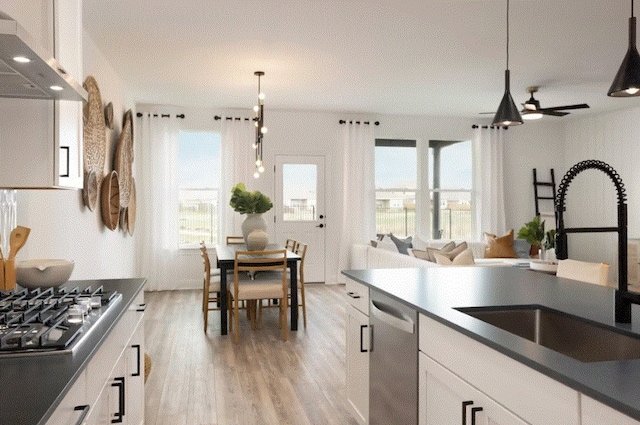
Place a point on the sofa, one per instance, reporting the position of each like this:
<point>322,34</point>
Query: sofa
<point>368,256</point>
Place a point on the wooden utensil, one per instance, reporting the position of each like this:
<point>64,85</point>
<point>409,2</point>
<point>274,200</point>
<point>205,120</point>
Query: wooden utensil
<point>17,239</point>
<point>2,287</point>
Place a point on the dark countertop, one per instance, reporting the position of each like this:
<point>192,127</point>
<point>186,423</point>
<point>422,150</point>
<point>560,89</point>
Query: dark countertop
<point>436,291</point>
<point>33,386</point>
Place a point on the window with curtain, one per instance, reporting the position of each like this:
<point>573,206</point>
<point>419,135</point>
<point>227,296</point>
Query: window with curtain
<point>199,181</point>
<point>445,191</point>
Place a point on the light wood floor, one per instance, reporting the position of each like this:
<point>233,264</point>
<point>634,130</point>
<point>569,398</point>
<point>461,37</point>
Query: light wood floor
<point>199,378</point>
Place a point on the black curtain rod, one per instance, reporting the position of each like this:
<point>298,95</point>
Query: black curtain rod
<point>358,122</point>
<point>139,114</point>
<point>218,118</point>
<point>489,126</point>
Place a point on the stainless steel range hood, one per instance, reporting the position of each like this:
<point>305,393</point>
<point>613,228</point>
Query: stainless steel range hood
<point>42,77</point>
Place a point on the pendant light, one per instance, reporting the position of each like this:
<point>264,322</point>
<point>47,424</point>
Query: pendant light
<point>508,113</point>
<point>627,81</point>
<point>260,128</point>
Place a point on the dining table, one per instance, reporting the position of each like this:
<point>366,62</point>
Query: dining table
<point>226,255</point>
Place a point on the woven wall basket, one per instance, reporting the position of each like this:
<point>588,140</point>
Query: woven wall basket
<point>95,142</point>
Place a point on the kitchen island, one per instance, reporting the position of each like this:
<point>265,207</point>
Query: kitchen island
<point>36,387</point>
<point>437,293</point>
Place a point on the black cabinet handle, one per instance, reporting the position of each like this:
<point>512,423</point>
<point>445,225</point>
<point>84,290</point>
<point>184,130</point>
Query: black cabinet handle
<point>66,149</point>
<point>119,415</point>
<point>137,348</point>
<point>464,410</point>
<point>362,349</point>
<point>85,412</point>
<point>474,410</point>
<point>141,308</point>
<point>353,295</point>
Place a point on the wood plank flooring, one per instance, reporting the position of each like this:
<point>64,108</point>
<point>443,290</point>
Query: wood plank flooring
<point>199,378</point>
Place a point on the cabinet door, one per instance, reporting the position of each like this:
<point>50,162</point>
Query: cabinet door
<point>357,364</point>
<point>445,399</point>
<point>596,413</point>
<point>135,377</point>
<point>73,406</point>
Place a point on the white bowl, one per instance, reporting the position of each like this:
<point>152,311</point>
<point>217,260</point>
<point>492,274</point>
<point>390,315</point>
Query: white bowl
<point>43,273</point>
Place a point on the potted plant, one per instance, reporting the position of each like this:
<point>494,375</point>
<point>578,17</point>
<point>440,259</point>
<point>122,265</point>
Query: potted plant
<point>549,245</point>
<point>533,232</point>
<point>254,204</point>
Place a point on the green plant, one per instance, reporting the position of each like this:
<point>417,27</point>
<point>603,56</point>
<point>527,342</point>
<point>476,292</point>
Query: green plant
<point>550,239</point>
<point>246,202</point>
<point>533,231</point>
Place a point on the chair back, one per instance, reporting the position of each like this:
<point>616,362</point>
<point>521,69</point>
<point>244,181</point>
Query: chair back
<point>584,271</point>
<point>301,250</point>
<point>271,260</point>
<point>205,259</point>
<point>290,245</point>
<point>235,240</point>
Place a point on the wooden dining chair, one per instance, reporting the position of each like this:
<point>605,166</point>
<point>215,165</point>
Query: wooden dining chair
<point>271,286</point>
<point>290,245</point>
<point>210,286</point>
<point>301,250</point>
<point>235,240</point>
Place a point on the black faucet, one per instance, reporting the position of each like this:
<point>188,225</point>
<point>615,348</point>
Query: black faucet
<point>623,298</point>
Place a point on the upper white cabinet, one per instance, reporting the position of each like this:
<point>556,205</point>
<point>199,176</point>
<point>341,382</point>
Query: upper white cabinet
<point>41,140</point>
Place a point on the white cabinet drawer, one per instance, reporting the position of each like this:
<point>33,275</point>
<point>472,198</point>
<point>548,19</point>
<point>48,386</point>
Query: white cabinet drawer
<point>357,295</point>
<point>596,413</point>
<point>529,394</point>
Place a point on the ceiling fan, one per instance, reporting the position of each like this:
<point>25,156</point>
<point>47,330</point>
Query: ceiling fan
<point>532,109</point>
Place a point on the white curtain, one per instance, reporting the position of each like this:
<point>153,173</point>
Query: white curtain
<point>238,158</point>
<point>489,181</point>
<point>157,200</point>
<point>358,190</point>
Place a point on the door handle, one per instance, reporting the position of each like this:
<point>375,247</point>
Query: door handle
<point>320,225</point>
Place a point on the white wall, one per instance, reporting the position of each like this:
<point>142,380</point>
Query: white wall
<point>591,198</point>
<point>61,226</point>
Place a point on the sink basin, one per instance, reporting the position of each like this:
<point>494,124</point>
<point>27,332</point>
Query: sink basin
<point>570,335</point>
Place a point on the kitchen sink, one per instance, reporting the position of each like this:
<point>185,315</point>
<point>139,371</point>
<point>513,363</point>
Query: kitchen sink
<point>567,334</point>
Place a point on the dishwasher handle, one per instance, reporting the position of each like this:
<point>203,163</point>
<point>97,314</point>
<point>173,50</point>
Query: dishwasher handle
<point>392,317</point>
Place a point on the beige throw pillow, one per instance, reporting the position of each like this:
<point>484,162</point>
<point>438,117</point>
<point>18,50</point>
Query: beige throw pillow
<point>421,254</point>
<point>500,246</point>
<point>465,258</point>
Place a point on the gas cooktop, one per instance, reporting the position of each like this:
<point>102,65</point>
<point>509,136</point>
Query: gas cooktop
<point>50,321</point>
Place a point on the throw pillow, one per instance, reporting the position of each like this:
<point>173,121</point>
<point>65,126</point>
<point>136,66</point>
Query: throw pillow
<point>445,249</point>
<point>500,246</point>
<point>402,244</point>
<point>465,258</point>
<point>521,248</point>
<point>421,254</point>
<point>419,243</point>
<point>388,245</point>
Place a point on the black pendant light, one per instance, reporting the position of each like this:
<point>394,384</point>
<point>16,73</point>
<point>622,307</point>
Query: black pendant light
<point>508,113</point>
<point>627,81</point>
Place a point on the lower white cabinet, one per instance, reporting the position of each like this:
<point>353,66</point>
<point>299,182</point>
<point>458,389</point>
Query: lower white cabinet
<point>357,345</point>
<point>596,413</point>
<point>446,399</point>
<point>111,388</point>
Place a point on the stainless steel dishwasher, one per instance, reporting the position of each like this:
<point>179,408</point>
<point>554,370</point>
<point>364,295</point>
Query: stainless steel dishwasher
<point>393,367</point>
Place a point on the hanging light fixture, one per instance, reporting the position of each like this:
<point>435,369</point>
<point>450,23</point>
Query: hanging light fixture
<point>260,128</point>
<point>627,81</point>
<point>507,113</point>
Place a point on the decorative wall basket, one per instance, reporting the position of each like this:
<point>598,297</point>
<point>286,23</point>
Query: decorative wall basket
<point>95,142</point>
<point>123,164</point>
<point>110,201</point>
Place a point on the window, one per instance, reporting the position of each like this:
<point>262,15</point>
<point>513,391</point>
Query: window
<point>446,193</point>
<point>199,185</point>
<point>450,183</point>
<point>396,186</point>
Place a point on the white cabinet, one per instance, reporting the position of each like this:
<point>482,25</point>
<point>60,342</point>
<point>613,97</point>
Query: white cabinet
<point>41,140</point>
<point>357,357</point>
<point>446,399</point>
<point>112,384</point>
<point>596,413</point>
<point>527,394</point>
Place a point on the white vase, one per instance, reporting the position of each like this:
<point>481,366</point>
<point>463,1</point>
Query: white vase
<point>257,240</point>
<point>251,223</point>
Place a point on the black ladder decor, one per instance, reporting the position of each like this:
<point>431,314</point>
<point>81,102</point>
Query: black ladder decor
<point>538,197</point>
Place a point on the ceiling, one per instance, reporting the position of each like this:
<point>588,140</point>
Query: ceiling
<point>418,57</point>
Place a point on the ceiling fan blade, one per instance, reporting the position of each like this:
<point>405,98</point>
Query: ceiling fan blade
<point>566,107</point>
<point>553,113</point>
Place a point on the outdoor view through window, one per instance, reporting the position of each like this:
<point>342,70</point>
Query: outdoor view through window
<point>199,187</point>
<point>449,189</point>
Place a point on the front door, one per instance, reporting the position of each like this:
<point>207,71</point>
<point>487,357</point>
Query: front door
<point>299,208</point>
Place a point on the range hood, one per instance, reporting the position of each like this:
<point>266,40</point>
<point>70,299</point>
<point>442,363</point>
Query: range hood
<point>38,75</point>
